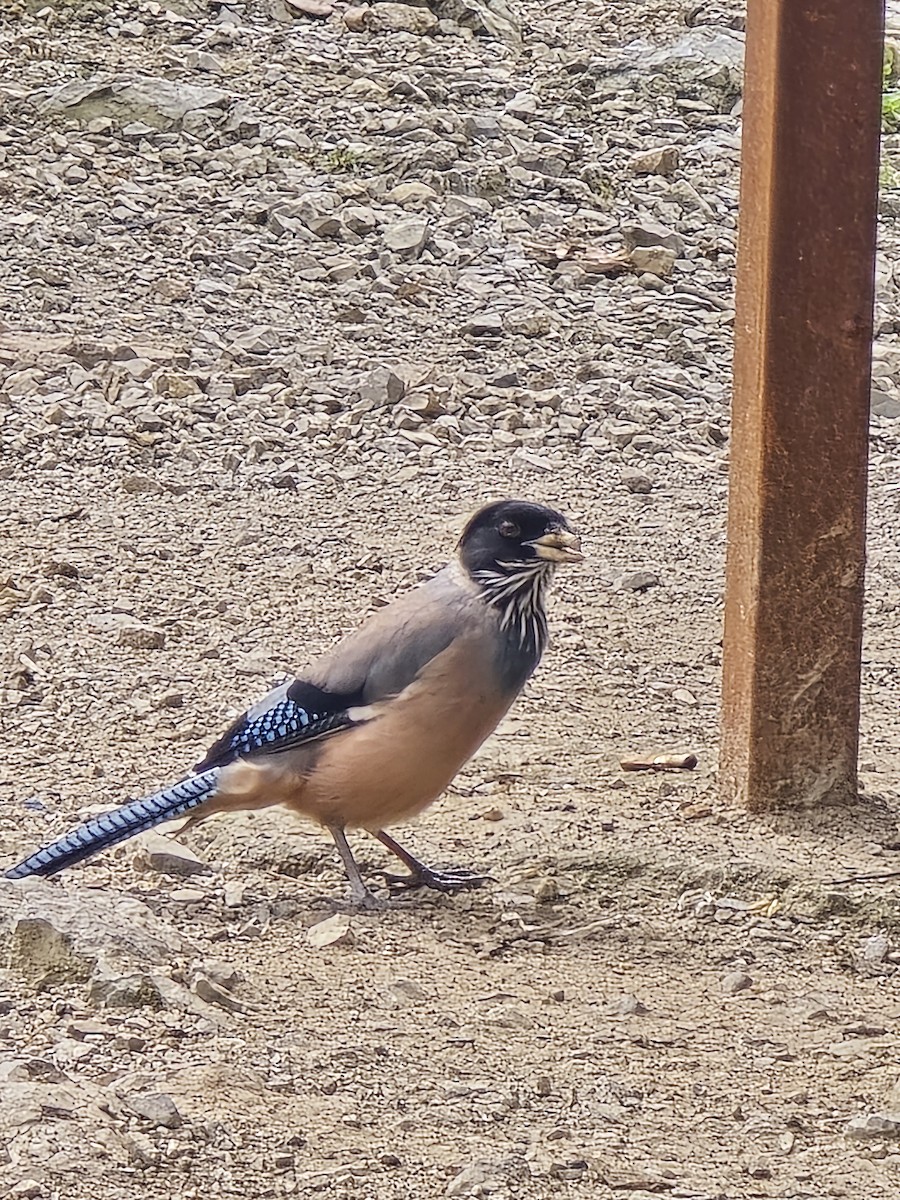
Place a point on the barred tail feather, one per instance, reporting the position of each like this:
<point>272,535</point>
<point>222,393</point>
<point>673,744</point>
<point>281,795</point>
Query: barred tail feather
<point>117,826</point>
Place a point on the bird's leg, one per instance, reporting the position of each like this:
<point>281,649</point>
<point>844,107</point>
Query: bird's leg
<point>191,823</point>
<point>454,880</point>
<point>360,896</point>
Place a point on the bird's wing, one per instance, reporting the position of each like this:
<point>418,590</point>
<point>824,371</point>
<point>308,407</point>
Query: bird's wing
<point>369,666</point>
<point>292,714</point>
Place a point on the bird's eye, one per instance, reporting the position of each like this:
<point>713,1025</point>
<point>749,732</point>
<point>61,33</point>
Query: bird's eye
<point>509,529</point>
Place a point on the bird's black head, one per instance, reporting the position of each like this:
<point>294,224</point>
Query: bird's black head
<point>510,536</point>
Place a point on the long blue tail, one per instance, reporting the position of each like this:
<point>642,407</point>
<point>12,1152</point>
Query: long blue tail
<point>117,826</point>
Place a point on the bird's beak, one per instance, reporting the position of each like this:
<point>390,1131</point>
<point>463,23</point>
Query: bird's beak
<point>560,546</point>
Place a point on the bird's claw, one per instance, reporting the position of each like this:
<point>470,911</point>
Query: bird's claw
<point>454,880</point>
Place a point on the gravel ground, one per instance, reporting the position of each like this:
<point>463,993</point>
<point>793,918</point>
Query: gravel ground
<point>288,289</point>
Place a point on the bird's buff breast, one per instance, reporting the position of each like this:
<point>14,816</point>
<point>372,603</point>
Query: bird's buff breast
<point>397,763</point>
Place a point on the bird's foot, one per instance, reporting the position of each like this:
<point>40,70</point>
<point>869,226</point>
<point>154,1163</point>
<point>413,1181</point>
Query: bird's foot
<point>362,900</point>
<point>453,880</point>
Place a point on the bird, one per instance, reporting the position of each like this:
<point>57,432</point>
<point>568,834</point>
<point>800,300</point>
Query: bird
<point>375,730</point>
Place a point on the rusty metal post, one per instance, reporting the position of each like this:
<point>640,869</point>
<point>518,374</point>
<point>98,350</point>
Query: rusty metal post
<point>796,522</point>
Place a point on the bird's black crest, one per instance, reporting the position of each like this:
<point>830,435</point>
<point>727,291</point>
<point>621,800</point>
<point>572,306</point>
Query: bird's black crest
<point>499,534</point>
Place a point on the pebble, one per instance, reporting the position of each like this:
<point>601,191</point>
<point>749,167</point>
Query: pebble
<point>663,161</point>
<point>636,481</point>
<point>168,857</point>
<point>635,581</point>
<point>651,235</point>
<point>629,1006</point>
<point>873,1125</point>
<point>408,236</point>
<point>653,260</point>
<point>156,1107</point>
<point>333,931</point>
<point>475,1180</point>
<point>736,981</point>
<point>401,18</point>
<point>141,637</point>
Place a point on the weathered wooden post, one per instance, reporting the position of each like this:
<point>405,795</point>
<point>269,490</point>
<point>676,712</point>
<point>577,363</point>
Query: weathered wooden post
<point>805,289</point>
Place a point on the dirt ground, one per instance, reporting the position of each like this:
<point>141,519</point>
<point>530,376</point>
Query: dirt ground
<point>657,994</point>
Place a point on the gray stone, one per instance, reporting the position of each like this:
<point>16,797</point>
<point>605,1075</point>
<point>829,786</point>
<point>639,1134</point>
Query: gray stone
<point>157,103</point>
<point>636,481</point>
<point>884,404</point>
<point>141,637</point>
<point>654,260</point>
<point>484,325</point>
<point>635,581</point>
<point>406,237</point>
<point>156,1107</point>
<point>663,161</point>
<point>168,857</point>
<point>649,233</point>
<point>401,18</point>
<point>382,387</point>
<point>873,1125</point>
<point>492,17</point>
<point>529,321</point>
<point>359,219</point>
<point>736,981</point>
<point>51,935</point>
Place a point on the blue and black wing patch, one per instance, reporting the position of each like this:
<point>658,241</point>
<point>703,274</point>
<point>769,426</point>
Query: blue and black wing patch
<point>295,713</point>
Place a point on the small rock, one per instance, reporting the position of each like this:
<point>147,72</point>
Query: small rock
<point>474,1180</point>
<point>529,321</point>
<point>689,199</point>
<point>408,236</point>
<point>55,414</point>
<point>629,1006</point>
<point>883,404</point>
<point>546,891</point>
<point>258,339</point>
<point>653,260</point>
<point>683,696</point>
<point>407,991</point>
<point>25,1189</point>
<point>872,1125</point>
<point>484,325</point>
<point>311,8</point>
<point>655,162</point>
<point>156,1107</point>
<point>649,233</point>
<point>411,195</point>
<point>325,227</point>
<point>167,856</point>
<point>507,1016</point>
<point>875,948</point>
<point>333,931</point>
<point>202,60</point>
<point>137,990</point>
<point>650,283</point>
<point>359,219</point>
<point>636,581</point>
<point>637,481</point>
<point>523,106</point>
<point>383,387</point>
<point>211,993</point>
<point>141,637</point>
<point>141,485</point>
<point>355,18</point>
<point>401,18</point>
<point>621,433</point>
<point>736,981</point>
